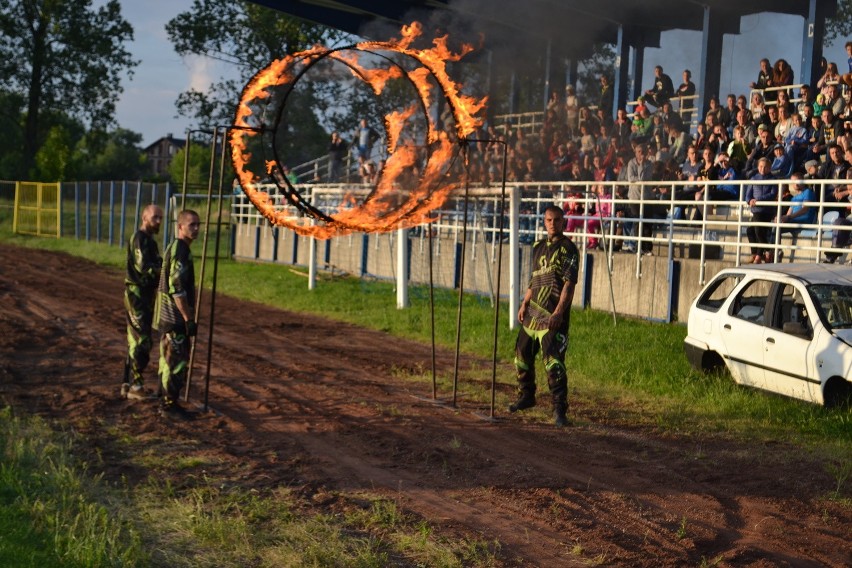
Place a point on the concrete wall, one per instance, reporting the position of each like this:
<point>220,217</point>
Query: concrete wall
<point>642,286</point>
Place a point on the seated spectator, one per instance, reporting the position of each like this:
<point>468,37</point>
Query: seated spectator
<point>718,139</point>
<point>622,127</point>
<point>770,119</point>
<point>700,136</point>
<point>749,128</point>
<point>739,149</point>
<point>719,113</point>
<point>840,237</point>
<point>717,168</point>
<point>760,199</point>
<point>782,164</point>
<point>802,211</point>
<point>805,100</point>
<point>830,128</point>
<point>796,140</point>
<point>819,104</point>
<point>642,128</point>
<point>762,149</point>
<point>758,108</point>
<point>669,116</point>
<point>679,140</point>
<point>783,101</point>
<point>587,140</point>
<point>834,101</point>
<point>785,122</point>
<point>561,164</point>
<point>732,109</point>
<point>830,77</point>
<point>662,90</point>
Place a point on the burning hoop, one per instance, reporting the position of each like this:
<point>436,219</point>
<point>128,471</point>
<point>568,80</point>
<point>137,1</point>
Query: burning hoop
<point>387,206</point>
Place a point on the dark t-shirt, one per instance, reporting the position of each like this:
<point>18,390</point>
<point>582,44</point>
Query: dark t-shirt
<point>554,263</point>
<point>143,263</point>
<point>178,277</point>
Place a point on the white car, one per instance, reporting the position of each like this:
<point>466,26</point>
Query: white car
<point>785,328</point>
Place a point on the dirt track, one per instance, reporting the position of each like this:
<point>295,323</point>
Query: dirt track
<point>314,405</point>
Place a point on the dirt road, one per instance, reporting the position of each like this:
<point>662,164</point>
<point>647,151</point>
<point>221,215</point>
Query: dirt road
<point>315,405</point>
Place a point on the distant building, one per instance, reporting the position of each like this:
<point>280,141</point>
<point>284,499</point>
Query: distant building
<point>160,154</point>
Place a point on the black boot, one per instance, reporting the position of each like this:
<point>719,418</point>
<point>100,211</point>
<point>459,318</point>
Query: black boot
<point>560,417</point>
<point>525,400</point>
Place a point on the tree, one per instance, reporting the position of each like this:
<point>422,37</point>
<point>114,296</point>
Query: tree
<point>840,25</point>
<point>244,34</point>
<point>61,55</point>
<point>112,155</point>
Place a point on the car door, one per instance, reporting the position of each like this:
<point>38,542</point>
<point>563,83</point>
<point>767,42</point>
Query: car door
<point>742,329</point>
<point>787,343</point>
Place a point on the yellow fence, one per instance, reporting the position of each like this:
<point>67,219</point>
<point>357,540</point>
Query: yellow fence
<point>36,209</point>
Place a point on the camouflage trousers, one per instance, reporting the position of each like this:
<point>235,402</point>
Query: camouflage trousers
<point>140,312</point>
<point>174,363</point>
<point>553,346</point>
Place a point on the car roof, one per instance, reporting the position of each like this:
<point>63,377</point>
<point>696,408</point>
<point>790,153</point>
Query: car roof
<point>809,273</point>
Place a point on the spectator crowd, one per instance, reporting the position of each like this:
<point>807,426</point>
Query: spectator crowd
<point>782,131</point>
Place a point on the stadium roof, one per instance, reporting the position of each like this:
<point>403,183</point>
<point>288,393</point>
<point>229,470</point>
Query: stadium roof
<point>570,25</point>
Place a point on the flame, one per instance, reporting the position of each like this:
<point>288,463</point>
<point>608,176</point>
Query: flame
<point>396,200</point>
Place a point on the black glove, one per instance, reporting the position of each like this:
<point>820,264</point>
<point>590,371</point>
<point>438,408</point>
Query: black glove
<point>191,328</point>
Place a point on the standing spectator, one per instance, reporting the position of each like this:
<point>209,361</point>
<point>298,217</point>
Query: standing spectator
<point>662,90</point>
<point>840,236</point>
<point>800,212</point>
<point>572,110</point>
<point>639,170</point>
<point>365,137</point>
<point>764,78</point>
<point>175,314</point>
<point>732,109</point>
<point>758,235</point>
<point>782,75</point>
<point>544,316</point>
<point>336,152</point>
<point>835,167</point>
<point>140,288</point>
<point>686,89</point>
<point>607,96</point>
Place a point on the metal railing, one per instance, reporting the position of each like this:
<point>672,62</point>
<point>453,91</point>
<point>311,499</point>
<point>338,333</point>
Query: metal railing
<point>719,234</point>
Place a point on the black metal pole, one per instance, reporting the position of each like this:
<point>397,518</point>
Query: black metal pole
<point>497,293</point>
<point>212,322</point>
<point>432,314</point>
<point>461,273</point>
<point>203,258</point>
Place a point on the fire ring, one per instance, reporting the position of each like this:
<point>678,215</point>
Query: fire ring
<point>387,206</point>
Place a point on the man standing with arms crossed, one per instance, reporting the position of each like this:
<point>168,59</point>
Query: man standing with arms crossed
<point>544,316</point>
<point>175,313</point>
<point>140,288</point>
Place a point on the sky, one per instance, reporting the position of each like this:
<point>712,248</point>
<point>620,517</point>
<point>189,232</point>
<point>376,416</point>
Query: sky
<point>147,105</point>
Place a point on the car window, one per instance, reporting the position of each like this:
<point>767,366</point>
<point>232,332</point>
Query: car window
<point>835,301</point>
<point>750,303</point>
<point>718,291</point>
<point>791,309</point>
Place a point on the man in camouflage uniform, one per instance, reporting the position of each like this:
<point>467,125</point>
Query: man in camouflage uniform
<point>175,313</point>
<point>140,287</point>
<point>544,315</point>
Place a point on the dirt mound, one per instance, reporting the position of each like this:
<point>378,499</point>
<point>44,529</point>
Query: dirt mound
<point>306,402</point>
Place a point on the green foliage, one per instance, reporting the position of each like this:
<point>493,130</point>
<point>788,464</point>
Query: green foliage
<point>840,26</point>
<point>114,155</point>
<point>62,56</point>
<point>239,32</point>
<point>53,158</point>
<point>198,168</point>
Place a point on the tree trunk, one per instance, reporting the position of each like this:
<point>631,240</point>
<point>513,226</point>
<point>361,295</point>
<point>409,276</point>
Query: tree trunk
<point>31,125</point>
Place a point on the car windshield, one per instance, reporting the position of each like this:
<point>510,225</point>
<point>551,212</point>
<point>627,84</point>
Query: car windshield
<point>835,301</point>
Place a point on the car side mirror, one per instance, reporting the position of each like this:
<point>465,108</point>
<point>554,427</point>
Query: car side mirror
<point>799,329</point>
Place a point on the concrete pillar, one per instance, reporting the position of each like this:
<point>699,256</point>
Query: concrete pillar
<point>514,256</point>
<point>813,35</point>
<point>710,69</point>
<point>636,71</point>
<point>402,252</point>
<point>622,59</point>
